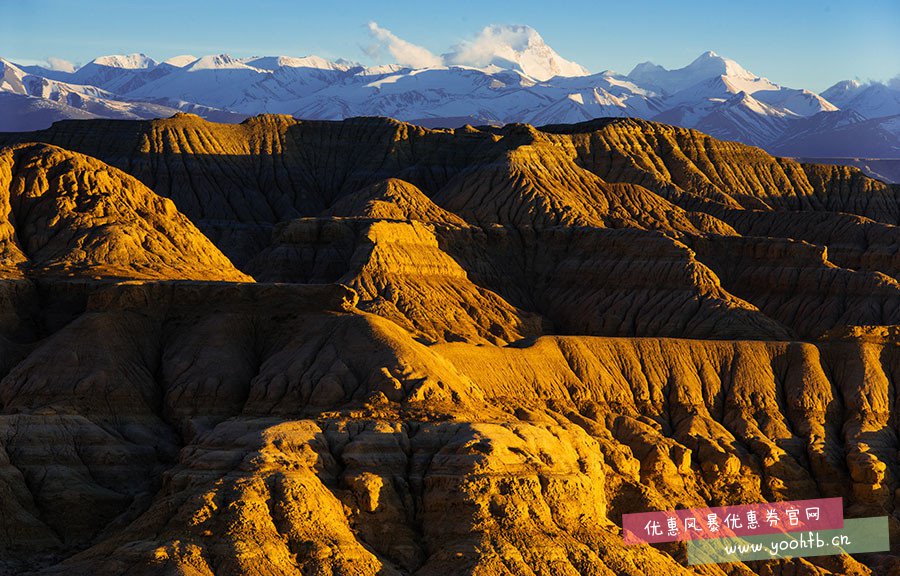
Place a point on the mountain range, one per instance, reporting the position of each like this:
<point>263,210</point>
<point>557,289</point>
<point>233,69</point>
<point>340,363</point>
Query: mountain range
<point>519,79</point>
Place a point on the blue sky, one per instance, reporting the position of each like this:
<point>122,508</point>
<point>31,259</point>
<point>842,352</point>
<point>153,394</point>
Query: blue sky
<point>809,44</point>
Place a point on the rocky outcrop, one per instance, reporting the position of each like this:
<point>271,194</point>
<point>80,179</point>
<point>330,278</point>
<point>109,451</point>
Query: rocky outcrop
<point>392,199</point>
<point>537,184</point>
<point>688,166</point>
<point>762,416</point>
<point>847,189</point>
<point>65,214</point>
<point>850,241</point>
<point>608,282</point>
<point>400,272</point>
<point>795,283</point>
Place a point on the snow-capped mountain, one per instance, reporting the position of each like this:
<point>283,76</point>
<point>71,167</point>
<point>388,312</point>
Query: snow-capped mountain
<point>243,85</point>
<point>745,119</point>
<point>109,71</point>
<point>842,92</point>
<point>31,101</point>
<point>585,104</point>
<point>180,61</point>
<point>719,96</point>
<point>872,100</point>
<point>707,65</point>
<point>801,102</point>
<point>505,74</point>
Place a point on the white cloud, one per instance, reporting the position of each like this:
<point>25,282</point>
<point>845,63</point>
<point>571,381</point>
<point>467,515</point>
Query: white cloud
<point>894,82</point>
<point>490,43</point>
<point>513,46</point>
<point>516,47</point>
<point>60,64</point>
<point>403,52</point>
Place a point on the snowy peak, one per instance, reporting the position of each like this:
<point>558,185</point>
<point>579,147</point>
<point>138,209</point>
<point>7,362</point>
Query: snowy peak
<point>114,73</point>
<point>514,47</point>
<point>11,77</point>
<point>842,92</point>
<point>272,63</point>
<point>707,65</point>
<point>745,100</point>
<point>218,62</point>
<point>700,87</point>
<point>647,70</point>
<point>875,101</point>
<point>871,99</point>
<point>801,102</point>
<point>711,64</point>
<point>180,61</point>
<point>6,64</point>
<point>126,61</point>
<point>745,119</point>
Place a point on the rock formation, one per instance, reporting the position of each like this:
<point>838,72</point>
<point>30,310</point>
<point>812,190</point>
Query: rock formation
<point>392,199</point>
<point>465,351</point>
<point>65,214</point>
